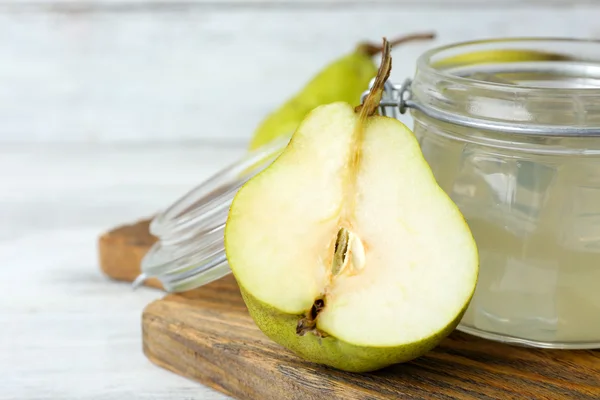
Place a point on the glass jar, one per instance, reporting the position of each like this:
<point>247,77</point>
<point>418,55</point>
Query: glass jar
<point>513,136</point>
<point>525,172</point>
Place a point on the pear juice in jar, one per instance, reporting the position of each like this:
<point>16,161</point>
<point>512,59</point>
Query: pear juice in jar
<point>533,206</point>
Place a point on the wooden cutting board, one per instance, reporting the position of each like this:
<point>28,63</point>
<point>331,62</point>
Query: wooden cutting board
<point>207,335</point>
<point>121,249</point>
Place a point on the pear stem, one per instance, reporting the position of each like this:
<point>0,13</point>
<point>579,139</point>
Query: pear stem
<point>373,99</point>
<point>364,111</point>
<point>372,49</point>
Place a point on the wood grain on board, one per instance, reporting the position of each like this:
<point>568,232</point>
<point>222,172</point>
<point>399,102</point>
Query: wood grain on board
<point>211,338</point>
<point>121,250</point>
<point>207,335</point>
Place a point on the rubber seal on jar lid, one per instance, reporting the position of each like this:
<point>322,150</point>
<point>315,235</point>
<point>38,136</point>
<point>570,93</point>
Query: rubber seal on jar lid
<point>190,250</point>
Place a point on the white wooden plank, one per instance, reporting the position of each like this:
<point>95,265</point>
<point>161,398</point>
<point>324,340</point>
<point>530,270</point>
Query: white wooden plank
<point>299,3</point>
<point>209,74</point>
<point>69,333</point>
<point>58,186</point>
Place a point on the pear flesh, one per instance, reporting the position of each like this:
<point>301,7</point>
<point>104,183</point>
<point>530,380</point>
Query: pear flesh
<point>345,248</point>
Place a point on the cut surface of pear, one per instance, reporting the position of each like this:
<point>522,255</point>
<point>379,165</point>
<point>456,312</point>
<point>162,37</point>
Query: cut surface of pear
<point>408,265</point>
<point>345,249</point>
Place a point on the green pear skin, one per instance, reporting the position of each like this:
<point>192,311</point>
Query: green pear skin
<point>281,328</point>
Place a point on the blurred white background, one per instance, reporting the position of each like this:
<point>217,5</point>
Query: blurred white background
<point>104,71</point>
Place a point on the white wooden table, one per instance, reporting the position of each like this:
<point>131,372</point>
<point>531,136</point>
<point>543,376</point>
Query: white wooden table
<point>162,70</point>
<point>111,109</point>
<point>66,331</point>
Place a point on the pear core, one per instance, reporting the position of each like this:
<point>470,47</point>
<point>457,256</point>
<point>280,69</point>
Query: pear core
<point>409,263</point>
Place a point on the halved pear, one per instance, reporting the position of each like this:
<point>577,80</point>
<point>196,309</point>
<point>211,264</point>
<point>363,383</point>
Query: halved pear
<point>345,249</point>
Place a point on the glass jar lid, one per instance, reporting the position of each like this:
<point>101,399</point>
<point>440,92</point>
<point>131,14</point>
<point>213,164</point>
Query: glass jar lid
<point>190,250</point>
<point>474,84</point>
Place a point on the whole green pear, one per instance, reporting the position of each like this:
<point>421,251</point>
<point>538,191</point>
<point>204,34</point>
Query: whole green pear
<point>344,79</point>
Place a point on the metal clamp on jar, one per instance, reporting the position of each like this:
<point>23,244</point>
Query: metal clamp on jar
<point>515,142</point>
